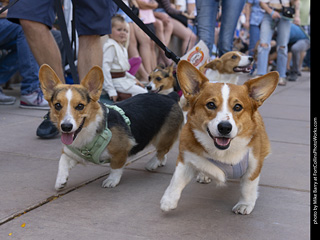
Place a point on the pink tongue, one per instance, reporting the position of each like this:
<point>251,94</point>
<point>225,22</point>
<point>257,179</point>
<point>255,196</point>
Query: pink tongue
<point>222,141</point>
<point>67,138</point>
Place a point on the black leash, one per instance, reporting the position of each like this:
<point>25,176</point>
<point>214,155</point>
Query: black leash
<point>137,20</point>
<point>66,40</point>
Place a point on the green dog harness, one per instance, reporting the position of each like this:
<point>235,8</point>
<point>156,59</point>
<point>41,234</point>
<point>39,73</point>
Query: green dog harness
<point>93,150</point>
<point>233,171</point>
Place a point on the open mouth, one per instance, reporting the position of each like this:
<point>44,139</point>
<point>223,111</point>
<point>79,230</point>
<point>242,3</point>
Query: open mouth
<point>244,69</point>
<point>68,138</point>
<point>221,143</point>
<point>158,89</point>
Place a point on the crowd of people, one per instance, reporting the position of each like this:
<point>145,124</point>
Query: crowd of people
<point>259,28</point>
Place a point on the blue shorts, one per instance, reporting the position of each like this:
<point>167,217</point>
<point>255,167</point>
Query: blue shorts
<point>92,17</point>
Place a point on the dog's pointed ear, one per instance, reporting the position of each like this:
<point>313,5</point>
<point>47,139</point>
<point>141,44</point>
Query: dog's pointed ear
<point>49,80</point>
<point>215,64</point>
<point>93,81</point>
<point>190,79</point>
<point>262,87</point>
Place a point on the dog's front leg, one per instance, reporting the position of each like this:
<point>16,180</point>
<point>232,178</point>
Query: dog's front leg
<point>65,165</point>
<point>113,179</point>
<point>181,177</point>
<point>249,195</point>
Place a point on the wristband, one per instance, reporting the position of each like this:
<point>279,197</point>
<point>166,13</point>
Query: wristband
<point>272,13</point>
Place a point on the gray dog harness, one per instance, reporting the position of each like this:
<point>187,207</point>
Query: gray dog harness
<point>233,171</point>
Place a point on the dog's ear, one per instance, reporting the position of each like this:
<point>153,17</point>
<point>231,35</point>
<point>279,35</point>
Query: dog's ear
<point>262,87</point>
<point>216,64</point>
<point>191,80</point>
<point>93,81</point>
<point>49,80</point>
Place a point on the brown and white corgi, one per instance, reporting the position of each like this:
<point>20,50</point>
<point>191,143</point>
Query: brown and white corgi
<point>162,80</point>
<point>224,136</point>
<point>228,67</point>
<point>92,131</point>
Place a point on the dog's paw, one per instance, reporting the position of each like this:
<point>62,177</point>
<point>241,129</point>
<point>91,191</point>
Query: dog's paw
<point>154,163</point>
<point>202,178</point>
<point>243,208</point>
<point>167,204</point>
<point>110,182</point>
<point>60,184</point>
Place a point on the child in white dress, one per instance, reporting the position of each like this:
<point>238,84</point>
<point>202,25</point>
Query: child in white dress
<point>116,64</point>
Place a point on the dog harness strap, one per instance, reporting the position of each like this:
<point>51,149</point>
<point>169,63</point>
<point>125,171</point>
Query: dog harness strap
<point>122,113</point>
<point>92,151</point>
<point>233,171</point>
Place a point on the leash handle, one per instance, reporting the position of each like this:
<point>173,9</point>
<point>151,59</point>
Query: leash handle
<point>137,20</point>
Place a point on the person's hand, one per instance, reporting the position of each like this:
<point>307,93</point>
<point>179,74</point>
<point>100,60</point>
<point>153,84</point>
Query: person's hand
<point>114,98</point>
<point>296,20</point>
<point>275,15</point>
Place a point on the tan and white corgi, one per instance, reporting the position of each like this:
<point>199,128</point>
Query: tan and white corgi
<point>228,67</point>
<point>99,133</point>
<point>224,136</point>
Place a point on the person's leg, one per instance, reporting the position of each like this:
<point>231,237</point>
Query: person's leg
<point>283,30</point>
<point>264,47</point>
<point>90,54</point>
<point>43,45</point>
<point>206,17</point>
<point>230,15</point>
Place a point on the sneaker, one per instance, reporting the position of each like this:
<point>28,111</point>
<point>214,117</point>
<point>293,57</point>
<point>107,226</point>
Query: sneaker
<point>293,76</point>
<point>34,100</point>
<point>6,100</point>
<point>46,129</point>
<point>282,81</point>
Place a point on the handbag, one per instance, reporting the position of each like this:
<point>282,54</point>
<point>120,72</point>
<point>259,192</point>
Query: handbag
<point>288,11</point>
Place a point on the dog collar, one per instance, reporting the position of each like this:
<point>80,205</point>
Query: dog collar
<point>233,171</point>
<point>93,150</point>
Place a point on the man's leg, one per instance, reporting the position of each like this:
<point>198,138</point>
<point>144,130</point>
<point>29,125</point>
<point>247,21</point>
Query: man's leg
<point>90,54</point>
<point>43,45</point>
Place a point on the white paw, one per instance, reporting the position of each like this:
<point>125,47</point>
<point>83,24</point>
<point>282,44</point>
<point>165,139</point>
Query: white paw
<point>60,183</point>
<point>113,179</point>
<point>202,178</point>
<point>154,163</point>
<point>243,208</point>
<point>167,204</point>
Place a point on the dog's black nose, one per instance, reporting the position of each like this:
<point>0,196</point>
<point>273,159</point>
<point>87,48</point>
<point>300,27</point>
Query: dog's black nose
<point>250,59</point>
<point>224,127</point>
<point>66,127</point>
<point>149,87</point>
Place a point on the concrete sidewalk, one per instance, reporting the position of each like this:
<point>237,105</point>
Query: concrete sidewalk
<point>30,208</point>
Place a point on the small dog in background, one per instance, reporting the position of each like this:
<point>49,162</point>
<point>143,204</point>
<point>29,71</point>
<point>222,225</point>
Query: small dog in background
<point>228,67</point>
<point>163,80</point>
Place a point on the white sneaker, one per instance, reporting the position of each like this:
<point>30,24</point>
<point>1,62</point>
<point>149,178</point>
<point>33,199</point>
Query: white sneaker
<point>34,100</point>
<point>6,100</point>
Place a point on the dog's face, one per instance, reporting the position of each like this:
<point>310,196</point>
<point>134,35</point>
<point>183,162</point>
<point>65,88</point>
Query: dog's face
<point>231,63</point>
<point>72,107</point>
<point>222,113</point>
<point>161,79</point>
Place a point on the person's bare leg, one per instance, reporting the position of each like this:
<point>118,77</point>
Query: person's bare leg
<point>185,34</point>
<point>90,54</point>
<point>43,45</point>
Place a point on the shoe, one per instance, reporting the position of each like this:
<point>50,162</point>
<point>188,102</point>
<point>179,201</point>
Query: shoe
<point>46,129</point>
<point>282,81</point>
<point>6,100</point>
<point>293,76</point>
<point>34,100</point>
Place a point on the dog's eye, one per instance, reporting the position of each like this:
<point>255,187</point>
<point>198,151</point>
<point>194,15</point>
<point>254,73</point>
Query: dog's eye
<point>237,108</point>
<point>58,106</point>
<point>211,105</point>
<point>158,79</point>
<point>234,56</point>
<point>79,107</point>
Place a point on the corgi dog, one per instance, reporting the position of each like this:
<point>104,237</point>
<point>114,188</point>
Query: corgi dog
<point>162,80</point>
<point>99,133</point>
<point>224,136</point>
<point>228,67</point>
